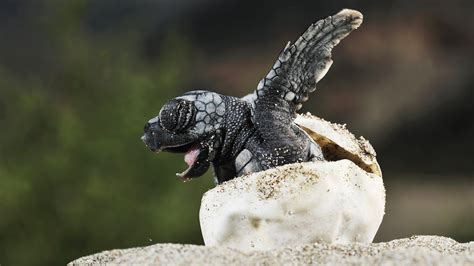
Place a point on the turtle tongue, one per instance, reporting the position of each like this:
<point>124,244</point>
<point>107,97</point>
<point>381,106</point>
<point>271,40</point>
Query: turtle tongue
<point>197,159</point>
<point>191,155</point>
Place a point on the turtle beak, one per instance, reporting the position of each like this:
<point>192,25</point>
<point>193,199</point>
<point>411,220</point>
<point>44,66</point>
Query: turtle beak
<point>152,132</point>
<point>149,142</point>
<point>157,139</point>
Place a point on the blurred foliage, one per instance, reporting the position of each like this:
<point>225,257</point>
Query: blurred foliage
<point>75,176</point>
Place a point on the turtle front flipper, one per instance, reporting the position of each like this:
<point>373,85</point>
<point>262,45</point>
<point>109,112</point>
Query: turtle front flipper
<point>298,68</point>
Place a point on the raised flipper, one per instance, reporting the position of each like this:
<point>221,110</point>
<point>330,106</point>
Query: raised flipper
<point>295,74</point>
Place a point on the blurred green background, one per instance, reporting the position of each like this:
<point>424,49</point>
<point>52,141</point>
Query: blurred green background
<point>79,79</point>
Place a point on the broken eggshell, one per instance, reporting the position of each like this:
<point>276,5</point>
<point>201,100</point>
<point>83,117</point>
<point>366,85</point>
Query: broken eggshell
<point>339,200</point>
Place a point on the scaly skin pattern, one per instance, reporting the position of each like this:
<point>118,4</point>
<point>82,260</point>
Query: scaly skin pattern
<point>238,136</point>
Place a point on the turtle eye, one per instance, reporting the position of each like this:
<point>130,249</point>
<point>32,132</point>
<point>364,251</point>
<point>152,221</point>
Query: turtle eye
<point>176,115</point>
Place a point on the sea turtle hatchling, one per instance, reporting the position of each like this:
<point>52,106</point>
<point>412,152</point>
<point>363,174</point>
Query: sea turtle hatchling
<point>239,136</point>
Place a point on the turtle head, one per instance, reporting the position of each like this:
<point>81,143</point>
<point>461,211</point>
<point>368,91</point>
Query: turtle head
<point>189,124</point>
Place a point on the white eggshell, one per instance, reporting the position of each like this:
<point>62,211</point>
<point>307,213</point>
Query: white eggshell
<point>335,202</point>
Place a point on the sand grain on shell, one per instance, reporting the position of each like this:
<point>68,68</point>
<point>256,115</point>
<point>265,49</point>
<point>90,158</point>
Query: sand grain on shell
<point>270,183</point>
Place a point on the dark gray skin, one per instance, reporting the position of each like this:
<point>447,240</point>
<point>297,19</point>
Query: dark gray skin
<point>238,136</point>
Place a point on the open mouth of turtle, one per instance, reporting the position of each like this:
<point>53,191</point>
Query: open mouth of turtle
<point>195,156</point>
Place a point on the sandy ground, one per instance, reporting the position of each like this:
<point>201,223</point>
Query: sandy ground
<point>417,250</point>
